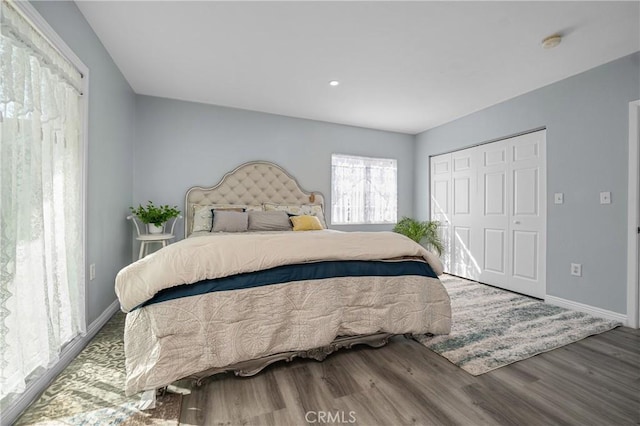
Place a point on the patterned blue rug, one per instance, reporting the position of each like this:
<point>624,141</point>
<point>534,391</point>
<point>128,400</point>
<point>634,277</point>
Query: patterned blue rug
<point>90,391</point>
<point>492,328</point>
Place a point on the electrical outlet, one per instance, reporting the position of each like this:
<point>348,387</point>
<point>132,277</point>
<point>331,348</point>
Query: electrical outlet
<point>576,269</point>
<point>605,197</point>
<point>92,271</point>
<point>558,198</point>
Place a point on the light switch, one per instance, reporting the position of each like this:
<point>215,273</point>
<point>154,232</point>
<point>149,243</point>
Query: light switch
<point>558,198</point>
<point>576,269</point>
<point>605,197</point>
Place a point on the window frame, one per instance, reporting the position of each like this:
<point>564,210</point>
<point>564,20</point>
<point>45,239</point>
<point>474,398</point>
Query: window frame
<point>365,157</point>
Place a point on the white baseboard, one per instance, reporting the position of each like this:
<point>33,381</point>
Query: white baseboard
<point>99,322</point>
<point>588,309</point>
<point>68,354</point>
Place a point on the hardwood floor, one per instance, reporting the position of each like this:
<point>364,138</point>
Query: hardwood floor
<point>592,382</point>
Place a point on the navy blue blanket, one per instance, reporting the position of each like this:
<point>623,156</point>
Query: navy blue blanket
<point>298,272</point>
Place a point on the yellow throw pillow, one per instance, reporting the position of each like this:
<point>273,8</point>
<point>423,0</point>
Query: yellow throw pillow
<point>306,223</point>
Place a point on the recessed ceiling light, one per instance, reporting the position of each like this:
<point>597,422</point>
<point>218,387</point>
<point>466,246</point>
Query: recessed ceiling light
<point>551,41</point>
<point>334,83</point>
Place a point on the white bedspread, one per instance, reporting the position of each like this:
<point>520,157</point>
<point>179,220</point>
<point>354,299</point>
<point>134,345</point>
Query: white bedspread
<point>171,340</point>
<point>208,257</point>
<point>174,339</point>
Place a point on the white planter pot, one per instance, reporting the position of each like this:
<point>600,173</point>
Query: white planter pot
<point>153,229</point>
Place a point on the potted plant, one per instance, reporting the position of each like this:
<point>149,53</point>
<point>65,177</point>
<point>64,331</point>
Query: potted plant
<point>421,232</point>
<point>155,216</point>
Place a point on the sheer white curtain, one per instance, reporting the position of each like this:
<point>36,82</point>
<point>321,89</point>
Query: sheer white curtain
<point>41,226</point>
<point>363,190</point>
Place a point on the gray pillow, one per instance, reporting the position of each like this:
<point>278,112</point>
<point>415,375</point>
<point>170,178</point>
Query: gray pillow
<point>230,221</point>
<point>269,221</point>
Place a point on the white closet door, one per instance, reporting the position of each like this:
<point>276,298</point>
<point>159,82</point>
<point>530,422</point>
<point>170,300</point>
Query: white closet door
<point>493,176</point>
<point>464,214</point>
<point>490,201</point>
<point>440,170</point>
<point>527,194</point>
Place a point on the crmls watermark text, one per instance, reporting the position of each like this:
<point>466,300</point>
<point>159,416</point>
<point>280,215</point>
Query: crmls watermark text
<point>330,417</point>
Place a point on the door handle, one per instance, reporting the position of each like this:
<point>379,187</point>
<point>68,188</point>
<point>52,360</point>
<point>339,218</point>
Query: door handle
<point>516,222</point>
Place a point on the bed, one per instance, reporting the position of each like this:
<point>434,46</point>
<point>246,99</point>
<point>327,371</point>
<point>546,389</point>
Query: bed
<point>239,301</point>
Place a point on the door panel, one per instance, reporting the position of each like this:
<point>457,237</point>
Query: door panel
<point>525,255</point>
<point>440,203</point>
<point>461,163</point>
<point>494,156</point>
<point>463,217</point>
<point>441,165</point>
<point>441,197</point>
<point>461,195</point>
<point>524,150</point>
<point>494,219</point>
<point>494,250</point>
<point>525,192</point>
<point>528,214</point>
<point>495,195</point>
<point>464,264</point>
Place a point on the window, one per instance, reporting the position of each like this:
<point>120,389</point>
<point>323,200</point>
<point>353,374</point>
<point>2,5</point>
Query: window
<point>41,202</point>
<point>363,190</point>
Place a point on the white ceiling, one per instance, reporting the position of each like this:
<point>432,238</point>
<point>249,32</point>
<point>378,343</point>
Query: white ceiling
<point>403,66</point>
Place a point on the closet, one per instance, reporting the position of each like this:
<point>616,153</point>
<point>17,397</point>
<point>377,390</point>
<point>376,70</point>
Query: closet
<point>490,201</point>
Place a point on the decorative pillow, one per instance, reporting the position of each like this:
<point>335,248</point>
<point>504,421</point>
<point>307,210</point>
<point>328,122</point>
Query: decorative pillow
<point>306,223</point>
<point>229,209</point>
<point>302,209</point>
<point>230,221</point>
<point>269,221</point>
<point>202,219</point>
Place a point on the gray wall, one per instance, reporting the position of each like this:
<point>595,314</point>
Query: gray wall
<point>586,117</point>
<point>182,144</point>
<point>110,168</point>
<point>179,144</point>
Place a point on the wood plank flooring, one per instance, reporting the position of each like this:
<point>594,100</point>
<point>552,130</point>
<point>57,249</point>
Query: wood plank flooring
<point>592,382</point>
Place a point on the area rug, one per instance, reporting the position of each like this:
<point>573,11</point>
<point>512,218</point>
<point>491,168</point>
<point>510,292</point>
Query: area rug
<point>90,391</point>
<point>492,328</point>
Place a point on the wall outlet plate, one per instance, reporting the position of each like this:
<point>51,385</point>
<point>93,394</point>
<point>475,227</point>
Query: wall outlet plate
<point>558,198</point>
<point>605,197</point>
<point>576,269</point>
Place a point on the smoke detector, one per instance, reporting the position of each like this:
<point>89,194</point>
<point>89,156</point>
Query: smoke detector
<point>551,41</point>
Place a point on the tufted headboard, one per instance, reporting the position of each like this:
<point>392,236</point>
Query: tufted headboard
<point>251,184</point>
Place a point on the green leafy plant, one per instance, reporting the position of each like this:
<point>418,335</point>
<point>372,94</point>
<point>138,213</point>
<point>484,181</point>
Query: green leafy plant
<point>421,232</point>
<point>156,215</point>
